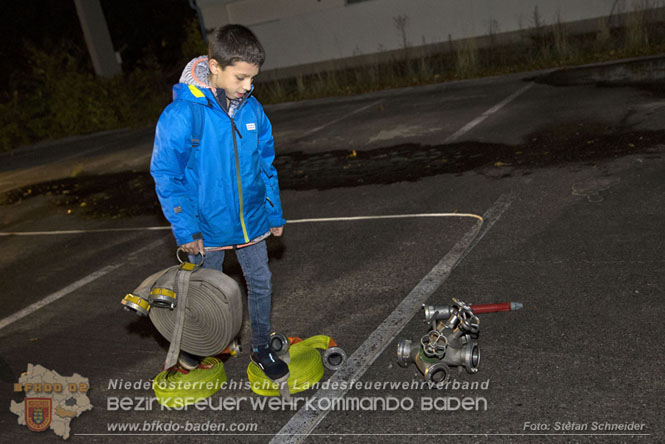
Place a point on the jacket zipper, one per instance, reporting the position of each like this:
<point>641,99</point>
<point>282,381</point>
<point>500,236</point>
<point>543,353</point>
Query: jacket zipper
<point>234,129</point>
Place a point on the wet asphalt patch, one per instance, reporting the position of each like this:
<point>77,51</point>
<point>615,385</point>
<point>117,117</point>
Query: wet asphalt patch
<point>114,196</point>
<point>132,193</point>
<point>645,73</point>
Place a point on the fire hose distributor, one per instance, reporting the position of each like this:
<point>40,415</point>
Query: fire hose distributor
<point>450,342</point>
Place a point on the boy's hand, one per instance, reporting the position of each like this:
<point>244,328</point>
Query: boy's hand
<point>277,231</point>
<point>194,247</point>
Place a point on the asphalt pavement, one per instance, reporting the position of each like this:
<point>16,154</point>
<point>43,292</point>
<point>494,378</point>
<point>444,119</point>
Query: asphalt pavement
<point>567,177</point>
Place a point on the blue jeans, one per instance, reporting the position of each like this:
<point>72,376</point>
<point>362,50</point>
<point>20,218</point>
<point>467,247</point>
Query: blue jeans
<point>254,262</point>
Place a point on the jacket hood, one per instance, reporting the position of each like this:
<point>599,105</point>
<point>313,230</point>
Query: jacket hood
<point>196,72</point>
<point>194,83</point>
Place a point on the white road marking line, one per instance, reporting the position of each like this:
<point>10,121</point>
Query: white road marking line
<point>469,126</point>
<point>332,122</point>
<point>305,421</point>
<point>70,288</point>
<point>56,296</point>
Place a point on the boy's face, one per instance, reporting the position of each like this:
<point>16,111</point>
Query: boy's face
<point>235,79</point>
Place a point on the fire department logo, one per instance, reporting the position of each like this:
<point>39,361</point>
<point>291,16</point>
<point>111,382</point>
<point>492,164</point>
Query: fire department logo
<point>38,413</point>
<point>51,400</point>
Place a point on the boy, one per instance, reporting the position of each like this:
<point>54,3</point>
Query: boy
<point>221,192</point>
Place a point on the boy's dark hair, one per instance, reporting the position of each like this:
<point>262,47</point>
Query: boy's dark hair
<point>235,43</point>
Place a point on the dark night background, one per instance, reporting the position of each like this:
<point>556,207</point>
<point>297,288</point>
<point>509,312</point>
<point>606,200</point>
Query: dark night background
<point>138,29</point>
<point>50,89</point>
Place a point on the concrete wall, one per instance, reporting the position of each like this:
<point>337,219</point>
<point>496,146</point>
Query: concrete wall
<point>305,32</point>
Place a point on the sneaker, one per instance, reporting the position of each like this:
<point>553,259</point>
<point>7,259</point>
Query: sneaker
<point>273,367</point>
<point>188,361</point>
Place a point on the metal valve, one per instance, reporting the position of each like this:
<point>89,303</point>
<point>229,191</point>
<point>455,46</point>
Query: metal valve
<point>434,344</point>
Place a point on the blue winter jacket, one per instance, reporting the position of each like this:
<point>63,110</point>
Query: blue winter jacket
<point>224,190</point>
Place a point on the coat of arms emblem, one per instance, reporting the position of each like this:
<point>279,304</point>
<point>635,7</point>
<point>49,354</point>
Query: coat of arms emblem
<point>38,413</point>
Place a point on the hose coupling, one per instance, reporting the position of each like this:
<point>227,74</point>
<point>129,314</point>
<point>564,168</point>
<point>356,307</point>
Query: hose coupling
<point>279,343</point>
<point>333,358</point>
<point>136,304</point>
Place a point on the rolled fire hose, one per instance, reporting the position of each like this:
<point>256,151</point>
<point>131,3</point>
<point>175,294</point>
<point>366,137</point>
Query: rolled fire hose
<point>199,311</point>
<point>213,309</point>
<point>305,365</point>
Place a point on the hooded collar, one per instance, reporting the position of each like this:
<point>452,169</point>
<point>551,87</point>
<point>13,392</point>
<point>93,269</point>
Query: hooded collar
<point>197,73</point>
